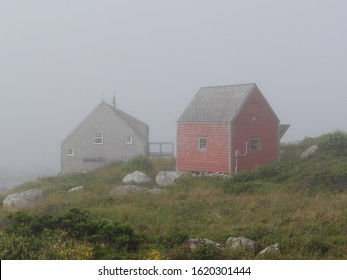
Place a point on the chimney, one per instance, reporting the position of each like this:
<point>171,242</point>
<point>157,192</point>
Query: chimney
<point>114,99</point>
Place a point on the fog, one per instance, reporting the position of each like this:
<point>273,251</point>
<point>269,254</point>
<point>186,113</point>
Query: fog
<point>59,59</point>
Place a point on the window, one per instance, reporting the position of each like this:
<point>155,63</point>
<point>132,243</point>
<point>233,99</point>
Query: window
<point>255,145</point>
<point>70,152</point>
<point>129,140</point>
<point>202,143</point>
<point>98,138</point>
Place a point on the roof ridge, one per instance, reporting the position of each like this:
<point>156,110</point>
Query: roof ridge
<point>245,84</point>
<point>218,104</point>
<point>135,124</point>
<point>116,110</point>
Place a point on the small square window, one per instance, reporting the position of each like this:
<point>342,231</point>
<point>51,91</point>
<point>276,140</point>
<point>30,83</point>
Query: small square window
<point>129,140</point>
<point>202,143</point>
<point>255,144</point>
<point>98,138</point>
<point>70,152</point>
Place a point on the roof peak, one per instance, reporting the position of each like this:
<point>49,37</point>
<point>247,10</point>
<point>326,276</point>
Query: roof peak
<point>140,127</point>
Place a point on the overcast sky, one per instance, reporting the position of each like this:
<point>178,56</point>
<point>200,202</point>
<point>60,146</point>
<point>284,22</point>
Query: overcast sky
<point>58,59</point>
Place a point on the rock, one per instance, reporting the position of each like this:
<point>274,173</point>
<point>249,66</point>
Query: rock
<point>22,199</point>
<point>155,191</point>
<point>166,178</point>
<point>123,190</point>
<point>240,242</point>
<point>311,150</point>
<point>273,249</point>
<point>195,243</point>
<point>210,174</point>
<point>76,189</point>
<point>136,177</point>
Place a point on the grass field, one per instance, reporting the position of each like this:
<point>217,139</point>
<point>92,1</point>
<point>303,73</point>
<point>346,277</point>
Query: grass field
<point>299,203</point>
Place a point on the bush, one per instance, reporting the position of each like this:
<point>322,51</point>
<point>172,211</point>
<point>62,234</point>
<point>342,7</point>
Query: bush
<point>24,224</point>
<point>74,232</point>
<point>75,222</point>
<point>335,144</point>
<point>141,163</point>
<point>48,245</point>
<point>173,239</point>
<point>117,235</point>
<point>238,188</point>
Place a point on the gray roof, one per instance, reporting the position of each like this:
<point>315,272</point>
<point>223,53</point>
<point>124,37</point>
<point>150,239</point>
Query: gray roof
<point>216,104</point>
<point>136,125</point>
<point>283,129</point>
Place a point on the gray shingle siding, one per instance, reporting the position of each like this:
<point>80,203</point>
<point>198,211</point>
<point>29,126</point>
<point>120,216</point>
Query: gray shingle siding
<point>115,126</point>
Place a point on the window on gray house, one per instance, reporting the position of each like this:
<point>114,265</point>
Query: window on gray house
<point>129,140</point>
<point>98,138</point>
<point>70,152</point>
<point>255,145</point>
<point>202,143</point>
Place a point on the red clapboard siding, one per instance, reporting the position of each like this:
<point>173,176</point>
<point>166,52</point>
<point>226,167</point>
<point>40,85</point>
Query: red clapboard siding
<point>214,159</point>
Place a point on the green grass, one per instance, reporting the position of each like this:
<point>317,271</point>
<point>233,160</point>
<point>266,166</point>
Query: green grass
<point>300,204</point>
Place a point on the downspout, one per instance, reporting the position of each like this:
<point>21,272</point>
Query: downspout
<point>278,143</point>
<point>230,151</point>
<point>61,159</point>
<point>177,140</point>
<point>237,155</point>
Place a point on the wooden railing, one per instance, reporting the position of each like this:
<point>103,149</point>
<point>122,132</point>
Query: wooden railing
<point>161,149</point>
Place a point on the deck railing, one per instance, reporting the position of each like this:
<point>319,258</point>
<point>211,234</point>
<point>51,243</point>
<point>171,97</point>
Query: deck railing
<point>161,149</point>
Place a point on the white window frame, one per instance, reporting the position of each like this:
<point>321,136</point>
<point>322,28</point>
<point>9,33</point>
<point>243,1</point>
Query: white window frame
<point>128,140</point>
<point>202,143</point>
<point>98,138</point>
<point>255,145</point>
<point>70,152</point>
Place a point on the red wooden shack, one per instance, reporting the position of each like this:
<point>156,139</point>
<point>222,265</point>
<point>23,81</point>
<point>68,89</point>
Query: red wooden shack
<point>228,129</point>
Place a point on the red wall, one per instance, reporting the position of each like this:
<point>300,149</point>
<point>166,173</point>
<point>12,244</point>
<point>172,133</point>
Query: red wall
<point>214,159</point>
<point>255,121</point>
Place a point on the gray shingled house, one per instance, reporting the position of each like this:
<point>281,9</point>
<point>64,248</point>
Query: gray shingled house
<point>106,135</point>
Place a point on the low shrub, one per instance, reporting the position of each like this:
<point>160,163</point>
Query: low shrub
<point>173,239</point>
<point>73,231</point>
<point>140,163</point>
<point>335,144</point>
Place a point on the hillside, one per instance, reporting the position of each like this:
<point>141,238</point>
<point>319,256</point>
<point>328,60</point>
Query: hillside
<point>298,203</point>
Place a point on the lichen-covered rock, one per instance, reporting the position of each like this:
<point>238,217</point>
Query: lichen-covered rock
<point>311,150</point>
<point>273,249</point>
<point>22,199</point>
<point>136,177</point>
<point>240,242</point>
<point>195,243</point>
<point>75,189</point>
<point>155,191</point>
<point>167,178</point>
<point>123,190</point>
